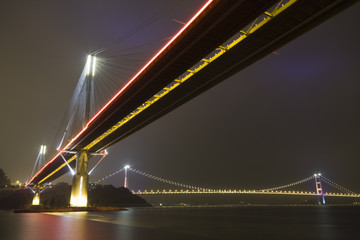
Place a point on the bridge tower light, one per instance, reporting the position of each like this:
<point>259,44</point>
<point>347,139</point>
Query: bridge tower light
<point>125,179</point>
<point>93,65</point>
<point>42,149</point>
<point>89,86</point>
<point>88,65</point>
<point>319,190</point>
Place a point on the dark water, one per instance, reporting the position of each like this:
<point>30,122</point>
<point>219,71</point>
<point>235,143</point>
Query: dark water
<point>187,223</point>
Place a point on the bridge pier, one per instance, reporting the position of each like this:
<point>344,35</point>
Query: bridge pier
<point>36,198</point>
<point>79,191</point>
<point>319,190</point>
<point>37,190</point>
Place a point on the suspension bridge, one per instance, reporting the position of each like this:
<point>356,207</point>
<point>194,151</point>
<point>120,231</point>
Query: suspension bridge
<point>221,39</point>
<point>317,180</point>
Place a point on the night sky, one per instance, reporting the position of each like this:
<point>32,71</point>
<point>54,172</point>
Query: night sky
<point>280,120</point>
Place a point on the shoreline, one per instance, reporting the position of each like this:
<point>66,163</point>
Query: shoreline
<point>70,209</point>
<point>116,208</point>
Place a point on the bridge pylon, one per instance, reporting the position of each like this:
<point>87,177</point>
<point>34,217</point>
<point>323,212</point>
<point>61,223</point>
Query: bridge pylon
<point>125,176</point>
<point>89,87</point>
<point>80,184</point>
<point>39,162</point>
<point>319,189</point>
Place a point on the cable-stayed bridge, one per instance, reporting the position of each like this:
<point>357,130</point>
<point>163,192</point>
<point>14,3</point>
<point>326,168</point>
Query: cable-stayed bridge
<point>318,184</point>
<point>221,39</point>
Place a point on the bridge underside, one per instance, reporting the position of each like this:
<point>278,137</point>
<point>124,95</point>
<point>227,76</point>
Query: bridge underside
<point>214,26</point>
<point>296,20</point>
<point>222,20</point>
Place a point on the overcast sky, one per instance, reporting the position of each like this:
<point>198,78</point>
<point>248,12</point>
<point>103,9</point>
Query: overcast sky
<point>282,119</point>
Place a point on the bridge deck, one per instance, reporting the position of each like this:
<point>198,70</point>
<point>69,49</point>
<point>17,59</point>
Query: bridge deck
<point>251,192</point>
<point>213,27</point>
<point>296,20</point>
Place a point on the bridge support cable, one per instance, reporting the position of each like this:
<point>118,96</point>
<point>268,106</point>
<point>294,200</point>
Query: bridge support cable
<point>109,176</point>
<point>172,5</point>
<point>104,154</point>
<point>337,186</point>
<point>67,125</point>
<point>168,181</point>
<point>288,185</point>
<point>81,107</point>
<point>128,168</point>
<point>40,160</point>
<point>66,161</point>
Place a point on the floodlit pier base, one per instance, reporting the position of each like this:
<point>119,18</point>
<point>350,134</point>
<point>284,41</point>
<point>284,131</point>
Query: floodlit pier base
<point>36,198</point>
<point>79,191</point>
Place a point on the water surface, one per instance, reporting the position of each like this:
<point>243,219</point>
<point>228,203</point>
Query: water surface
<point>217,222</point>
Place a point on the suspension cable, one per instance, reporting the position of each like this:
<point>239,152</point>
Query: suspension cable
<point>167,181</point>
<point>328,181</point>
<point>140,27</point>
<point>289,185</point>
<point>110,175</point>
<point>337,186</point>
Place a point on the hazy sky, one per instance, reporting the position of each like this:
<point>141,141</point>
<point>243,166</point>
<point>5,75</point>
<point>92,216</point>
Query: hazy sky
<point>280,120</point>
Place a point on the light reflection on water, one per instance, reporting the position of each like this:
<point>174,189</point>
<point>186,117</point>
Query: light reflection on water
<point>187,223</point>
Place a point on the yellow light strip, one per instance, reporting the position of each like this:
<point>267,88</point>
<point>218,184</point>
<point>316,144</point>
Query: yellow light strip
<point>177,82</point>
<point>61,166</point>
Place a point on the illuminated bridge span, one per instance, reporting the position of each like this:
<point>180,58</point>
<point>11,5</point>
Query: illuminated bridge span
<point>221,39</point>
<point>228,191</point>
<point>317,179</point>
